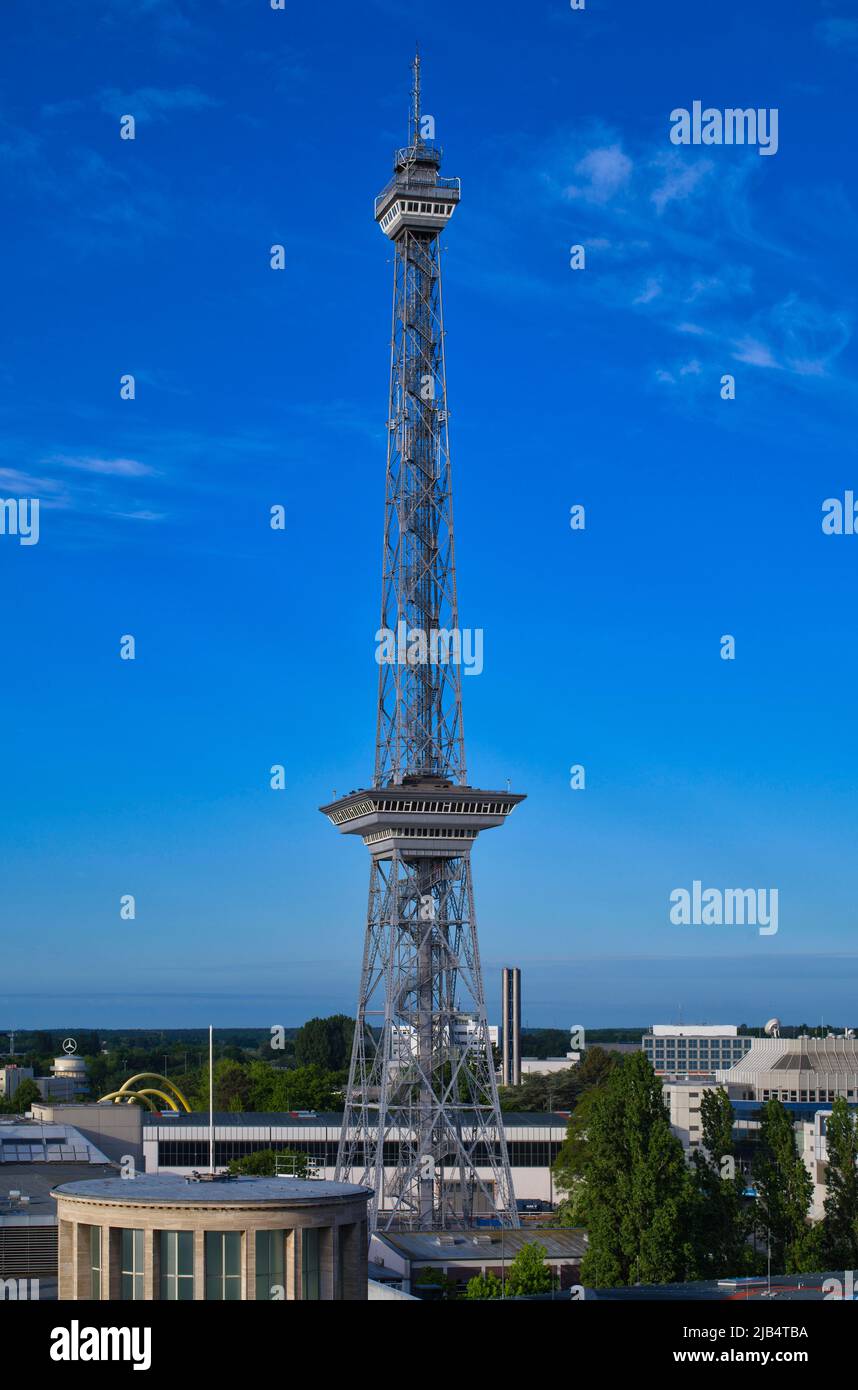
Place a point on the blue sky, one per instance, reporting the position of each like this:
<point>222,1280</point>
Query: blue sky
<point>257,387</point>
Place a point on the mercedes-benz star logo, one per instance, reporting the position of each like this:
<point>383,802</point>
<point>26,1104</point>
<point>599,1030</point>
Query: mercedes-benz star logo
<point>69,1046</point>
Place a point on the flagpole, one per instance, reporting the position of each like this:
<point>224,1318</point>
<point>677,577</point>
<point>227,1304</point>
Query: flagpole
<point>211,1099</point>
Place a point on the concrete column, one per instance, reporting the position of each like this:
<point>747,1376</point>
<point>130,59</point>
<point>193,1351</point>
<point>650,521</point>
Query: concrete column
<point>199,1266</point>
<point>298,1260</point>
<point>292,1264</point>
<point>249,1263</point>
<point>105,1246</point>
<point>67,1260</point>
<point>151,1277</point>
<point>82,1260</point>
<point>112,1256</point>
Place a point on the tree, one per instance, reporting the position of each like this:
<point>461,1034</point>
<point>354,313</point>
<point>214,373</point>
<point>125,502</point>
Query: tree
<point>26,1095</point>
<point>429,1278</point>
<point>556,1090</point>
<point>640,1197</point>
<point>263,1163</point>
<point>721,1221</point>
<point>785,1189</point>
<point>528,1273</point>
<point>486,1285</point>
<point>232,1086</point>
<point>545,1042</point>
<point>570,1163</point>
<point>596,1065</point>
<point>260,1086</point>
<point>300,1088</point>
<point>839,1234</point>
<point>325,1042</point>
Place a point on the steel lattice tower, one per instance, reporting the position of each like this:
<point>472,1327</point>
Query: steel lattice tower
<point>422,1123</point>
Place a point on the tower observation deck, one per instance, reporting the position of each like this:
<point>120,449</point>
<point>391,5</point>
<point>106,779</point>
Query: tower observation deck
<point>422,1121</point>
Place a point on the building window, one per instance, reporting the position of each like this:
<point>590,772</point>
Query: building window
<point>177,1266</point>
<point>131,1264</point>
<point>310,1264</point>
<point>95,1262</point>
<point>270,1264</point>
<point>223,1265</point>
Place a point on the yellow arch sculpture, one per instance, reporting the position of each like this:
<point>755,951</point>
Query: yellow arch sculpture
<point>128,1096</point>
<point>124,1094</point>
<point>151,1091</point>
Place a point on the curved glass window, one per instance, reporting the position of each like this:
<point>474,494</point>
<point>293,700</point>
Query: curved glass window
<point>131,1266</point>
<point>310,1263</point>
<point>270,1264</point>
<point>177,1265</point>
<point>223,1265</point>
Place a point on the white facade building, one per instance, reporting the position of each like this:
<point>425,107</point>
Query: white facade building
<point>180,1143</point>
<point>11,1078</point>
<point>694,1049</point>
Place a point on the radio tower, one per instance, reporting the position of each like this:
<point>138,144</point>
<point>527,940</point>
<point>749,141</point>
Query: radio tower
<point>422,1124</point>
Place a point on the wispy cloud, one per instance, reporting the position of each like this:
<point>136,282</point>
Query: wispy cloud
<point>754,352</point>
<point>144,103</point>
<point>68,107</point>
<point>98,200</point>
<point>141,515</point>
<point>113,467</point>
<point>838,33</point>
<point>679,179</point>
<point>602,172</point>
<point>154,103</point>
<point>682,231</point>
<point>28,484</point>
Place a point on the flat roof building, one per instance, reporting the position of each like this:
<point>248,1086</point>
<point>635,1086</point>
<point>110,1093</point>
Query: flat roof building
<point>33,1159</point>
<point>212,1238</point>
<point>795,1069</point>
<point>179,1143</point>
<point>460,1255</point>
<point>11,1077</point>
<point>694,1049</point>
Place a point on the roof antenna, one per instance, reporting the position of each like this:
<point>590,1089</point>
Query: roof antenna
<point>415,96</point>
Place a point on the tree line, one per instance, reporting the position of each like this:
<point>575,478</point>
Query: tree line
<point>656,1215</point>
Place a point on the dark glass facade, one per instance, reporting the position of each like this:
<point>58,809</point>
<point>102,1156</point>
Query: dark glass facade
<point>177,1265</point>
<point>131,1266</point>
<point>223,1265</point>
<point>270,1264</point>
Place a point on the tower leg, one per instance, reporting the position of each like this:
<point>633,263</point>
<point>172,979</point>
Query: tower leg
<point>422,1123</point>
